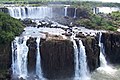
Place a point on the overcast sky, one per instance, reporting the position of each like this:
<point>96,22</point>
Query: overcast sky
<point>118,1</point>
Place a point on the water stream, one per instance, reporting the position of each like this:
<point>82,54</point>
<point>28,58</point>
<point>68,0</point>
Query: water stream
<point>19,56</point>
<point>81,69</point>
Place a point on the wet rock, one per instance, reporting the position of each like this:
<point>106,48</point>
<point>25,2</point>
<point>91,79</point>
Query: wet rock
<point>82,13</point>
<point>67,34</point>
<point>92,51</point>
<point>5,61</point>
<point>57,58</point>
<point>80,35</point>
<point>28,22</point>
<point>111,43</point>
<point>70,11</point>
<point>31,43</point>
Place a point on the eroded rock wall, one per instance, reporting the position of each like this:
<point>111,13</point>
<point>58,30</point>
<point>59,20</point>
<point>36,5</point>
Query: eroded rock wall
<point>92,52</point>
<point>111,43</point>
<point>5,61</point>
<point>57,57</point>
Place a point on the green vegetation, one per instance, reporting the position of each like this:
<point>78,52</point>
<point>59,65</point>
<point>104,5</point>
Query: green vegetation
<point>71,2</point>
<point>98,22</point>
<point>9,28</point>
<point>101,21</point>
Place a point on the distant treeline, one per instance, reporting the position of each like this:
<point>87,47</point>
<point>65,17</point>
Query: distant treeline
<point>73,2</point>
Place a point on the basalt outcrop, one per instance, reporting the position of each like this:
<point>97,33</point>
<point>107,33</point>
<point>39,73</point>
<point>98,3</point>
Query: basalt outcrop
<point>111,43</point>
<point>31,43</point>
<point>57,56</point>
<point>92,52</point>
<point>5,61</point>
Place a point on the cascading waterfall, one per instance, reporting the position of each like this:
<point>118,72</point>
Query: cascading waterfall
<point>19,56</point>
<point>81,70</point>
<point>38,61</point>
<point>103,62</point>
<point>76,59</point>
<point>66,11</point>
<point>30,12</point>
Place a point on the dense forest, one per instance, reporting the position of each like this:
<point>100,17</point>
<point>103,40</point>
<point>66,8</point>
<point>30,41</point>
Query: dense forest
<point>101,21</point>
<point>9,28</point>
<point>71,2</point>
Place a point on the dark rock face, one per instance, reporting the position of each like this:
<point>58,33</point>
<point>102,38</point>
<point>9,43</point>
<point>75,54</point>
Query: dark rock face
<point>57,58</point>
<point>111,42</point>
<point>82,13</point>
<point>92,52</point>
<point>58,11</point>
<point>31,43</point>
<point>70,12</point>
<point>5,10</point>
<point>5,61</point>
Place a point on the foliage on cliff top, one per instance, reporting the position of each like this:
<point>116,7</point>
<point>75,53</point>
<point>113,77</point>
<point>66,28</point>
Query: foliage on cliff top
<point>109,21</point>
<point>9,28</point>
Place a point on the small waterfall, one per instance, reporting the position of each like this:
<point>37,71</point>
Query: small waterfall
<point>75,13</point>
<point>81,70</point>
<point>30,12</point>
<point>38,61</point>
<point>66,11</point>
<point>76,59</point>
<point>103,62</point>
<point>19,56</point>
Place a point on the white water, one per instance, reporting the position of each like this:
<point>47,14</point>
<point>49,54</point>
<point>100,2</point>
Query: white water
<point>30,12</point>
<point>81,70</point>
<point>75,13</point>
<point>66,11</point>
<point>38,61</point>
<point>103,62</point>
<point>106,10</point>
<point>19,56</point>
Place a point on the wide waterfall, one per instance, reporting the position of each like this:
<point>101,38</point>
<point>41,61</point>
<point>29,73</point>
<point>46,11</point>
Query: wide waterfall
<point>38,62</point>
<point>81,69</point>
<point>30,12</point>
<point>19,56</point>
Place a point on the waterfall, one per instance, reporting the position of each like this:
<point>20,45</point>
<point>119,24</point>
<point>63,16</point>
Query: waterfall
<point>30,12</point>
<point>103,62</point>
<point>75,13</point>
<point>66,11</point>
<point>38,61</point>
<point>19,56</point>
<point>81,70</point>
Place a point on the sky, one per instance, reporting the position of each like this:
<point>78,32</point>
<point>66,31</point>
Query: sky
<point>118,1</point>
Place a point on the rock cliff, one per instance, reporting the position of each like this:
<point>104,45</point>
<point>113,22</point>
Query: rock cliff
<point>111,43</point>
